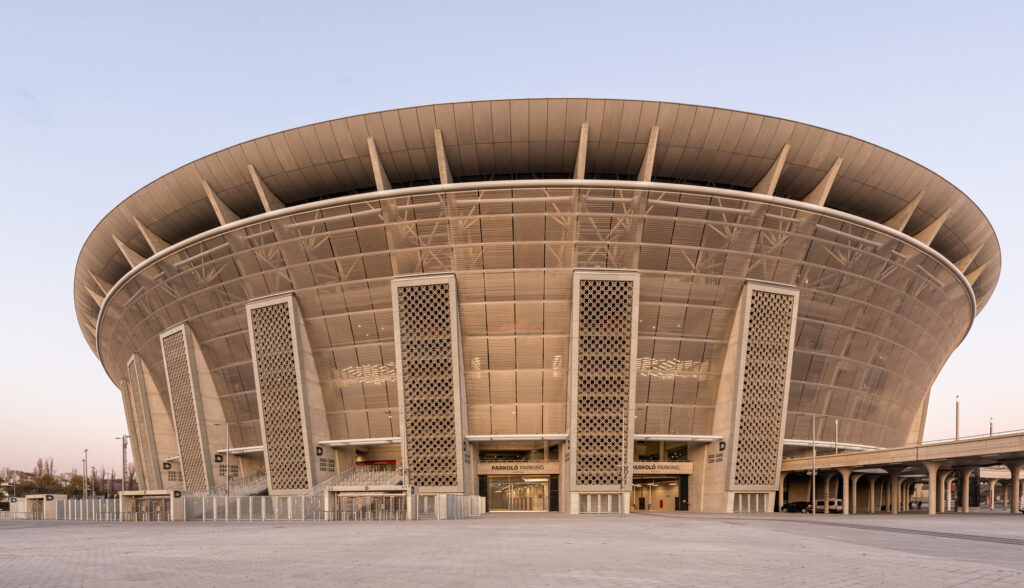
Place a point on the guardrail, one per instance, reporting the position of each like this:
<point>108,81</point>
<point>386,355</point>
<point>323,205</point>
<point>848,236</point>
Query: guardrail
<point>6,515</point>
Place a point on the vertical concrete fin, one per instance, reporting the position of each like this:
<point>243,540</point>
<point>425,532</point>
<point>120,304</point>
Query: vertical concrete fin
<point>95,296</point>
<point>647,167</point>
<point>900,219</point>
<point>973,276</point>
<point>380,177</point>
<point>133,257</point>
<point>964,262</point>
<point>104,285</point>
<point>156,244</point>
<point>442,159</point>
<point>928,234</point>
<point>224,214</point>
<point>820,193</point>
<point>581,153</point>
<point>267,198</point>
<point>771,179</point>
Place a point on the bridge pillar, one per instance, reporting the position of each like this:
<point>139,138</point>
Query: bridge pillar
<point>828,486</point>
<point>871,494</point>
<point>854,478</point>
<point>782,482</point>
<point>933,492</point>
<point>894,489</point>
<point>845,473</point>
<point>1014,486</point>
<point>964,487</point>
<point>943,491</point>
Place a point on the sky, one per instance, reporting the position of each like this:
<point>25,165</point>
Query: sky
<point>99,99</point>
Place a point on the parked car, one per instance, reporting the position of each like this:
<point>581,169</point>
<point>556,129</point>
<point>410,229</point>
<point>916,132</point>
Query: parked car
<point>835,505</point>
<point>798,506</point>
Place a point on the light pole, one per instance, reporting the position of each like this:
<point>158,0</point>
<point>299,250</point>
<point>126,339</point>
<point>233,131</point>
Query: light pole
<point>85,476</point>
<point>957,417</point>
<point>227,456</point>
<point>814,464</point>
<point>124,460</point>
<point>837,436</point>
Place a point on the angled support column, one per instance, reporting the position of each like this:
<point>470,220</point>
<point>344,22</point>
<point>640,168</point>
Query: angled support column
<point>380,177</point>
<point>965,262</point>
<point>900,219</point>
<point>820,193</point>
<point>267,198</point>
<point>927,235</point>
<point>156,244</point>
<point>581,153</point>
<point>771,179</point>
<point>442,159</point>
<point>131,256</point>
<point>224,214</point>
<point>647,167</point>
<point>973,276</point>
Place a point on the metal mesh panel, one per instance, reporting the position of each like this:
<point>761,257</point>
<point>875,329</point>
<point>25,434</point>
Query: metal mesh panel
<point>273,338</point>
<point>133,431</point>
<point>179,385</point>
<point>428,381</point>
<point>758,433</point>
<point>147,448</point>
<point>602,400</point>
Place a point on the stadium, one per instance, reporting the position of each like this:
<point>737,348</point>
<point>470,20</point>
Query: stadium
<point>575,305</point>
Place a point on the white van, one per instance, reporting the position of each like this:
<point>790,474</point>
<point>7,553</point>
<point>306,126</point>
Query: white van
<point>835,505</point>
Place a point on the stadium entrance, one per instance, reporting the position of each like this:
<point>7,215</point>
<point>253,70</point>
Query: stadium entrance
<point>659,493</point>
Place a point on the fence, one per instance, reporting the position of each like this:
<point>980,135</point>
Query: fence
<point>94,509</point>
<point>6,515</point>
<point>464,507</point>
<point>254,508</point>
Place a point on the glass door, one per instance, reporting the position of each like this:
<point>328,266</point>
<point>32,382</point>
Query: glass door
<point>517,494</point>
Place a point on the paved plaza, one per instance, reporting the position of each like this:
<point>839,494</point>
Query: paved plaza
<point>525,549</point>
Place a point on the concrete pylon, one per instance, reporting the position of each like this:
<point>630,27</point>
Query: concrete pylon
<point>845,473</point>
<point>871,494</point>
<point>949,492</point>
<point>943,490</point>
<point>964,487</point>
<point>782,482</point>
<point>1014,486</point>
<point>933,491</point>
<point>854,478</point>
<point>894,489</point>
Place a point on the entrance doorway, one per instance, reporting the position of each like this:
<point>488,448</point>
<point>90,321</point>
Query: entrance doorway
<point>518,493</point>
<point>658,493</point>
<point>152,508</point>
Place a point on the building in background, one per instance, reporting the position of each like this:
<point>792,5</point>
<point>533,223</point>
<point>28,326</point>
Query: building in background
<point>559,304</point>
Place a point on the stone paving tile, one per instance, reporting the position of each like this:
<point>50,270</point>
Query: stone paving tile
<point>522,549</point>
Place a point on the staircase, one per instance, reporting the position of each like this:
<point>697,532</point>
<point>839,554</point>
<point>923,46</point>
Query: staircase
<point>360,476</point>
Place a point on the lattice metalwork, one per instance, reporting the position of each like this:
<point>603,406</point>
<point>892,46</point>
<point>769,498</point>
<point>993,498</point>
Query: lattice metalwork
<point>274,352</point>
<point>765,365</point>
<point>428,385</point>
<point>603,377</point>
<point>133,432</point>
<point>186,422</point>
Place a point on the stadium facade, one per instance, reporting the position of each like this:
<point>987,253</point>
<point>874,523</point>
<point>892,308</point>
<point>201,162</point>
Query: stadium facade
<point>560,304</point>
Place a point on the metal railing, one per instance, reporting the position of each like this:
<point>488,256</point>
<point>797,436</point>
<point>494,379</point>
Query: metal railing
<point>20,516</point>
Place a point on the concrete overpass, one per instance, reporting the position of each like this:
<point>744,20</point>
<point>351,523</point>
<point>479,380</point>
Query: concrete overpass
<point>904,465</point>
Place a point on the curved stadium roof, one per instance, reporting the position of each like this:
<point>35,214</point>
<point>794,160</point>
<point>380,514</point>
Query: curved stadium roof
<point>536,139</point>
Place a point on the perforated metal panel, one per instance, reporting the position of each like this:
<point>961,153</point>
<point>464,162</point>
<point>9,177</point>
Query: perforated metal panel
<point>603,349</point>
<point>761,410</point>
<point>429,382</point>
<point>148,466</point>
<point>129,415</point>
<point>274,352</point>
<point>180,385</point>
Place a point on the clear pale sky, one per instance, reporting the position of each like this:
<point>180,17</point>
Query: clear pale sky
<point>97,101</point>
